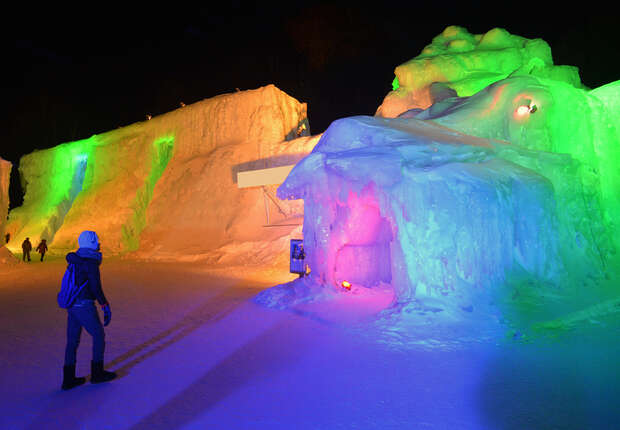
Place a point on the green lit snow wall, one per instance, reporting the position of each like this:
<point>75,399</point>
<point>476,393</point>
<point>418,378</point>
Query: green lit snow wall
<point>468,63</point>
<point>64,170</point>
<point>538,105</point>
<point>553,117</point>
<point>104,183</point>
<point>161,154</point>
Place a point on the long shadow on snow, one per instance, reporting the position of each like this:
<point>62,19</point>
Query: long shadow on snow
<point>70,410</point>
<point>267,354</point>
<point>212,311</point>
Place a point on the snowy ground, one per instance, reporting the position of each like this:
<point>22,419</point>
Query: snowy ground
<point>194,352</point>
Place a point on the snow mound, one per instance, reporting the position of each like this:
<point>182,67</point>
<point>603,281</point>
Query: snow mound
<point>7,259</point>
<point>438,203</point>
<point>165,188</point>
<point>465,63</point>
<point>428,209</point>
<point>289,294</point>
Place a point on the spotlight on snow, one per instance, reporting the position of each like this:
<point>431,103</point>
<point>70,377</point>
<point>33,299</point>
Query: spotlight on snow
<point>346,285</point>
<point>523,110</point>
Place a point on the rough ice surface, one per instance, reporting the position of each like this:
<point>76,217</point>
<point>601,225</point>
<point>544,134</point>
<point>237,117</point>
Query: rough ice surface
<point>6,258</point>
<point>551,117</point>
<point>5,175</point>
<point>166,188</point>
<point>466,63</point>
<point>451,201</point>
<point>427,209</point>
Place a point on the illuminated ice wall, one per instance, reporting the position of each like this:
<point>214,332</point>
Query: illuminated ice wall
<point>164,188</point>
<point>549,116</point>
<point>519,178</point>
<point>5,176</point>
<point>485,161</point>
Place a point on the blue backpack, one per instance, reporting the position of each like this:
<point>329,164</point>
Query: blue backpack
<point>69,288</point>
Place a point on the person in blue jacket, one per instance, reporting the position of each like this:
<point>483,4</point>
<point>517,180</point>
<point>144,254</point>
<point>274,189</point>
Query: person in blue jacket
<point>83,313</point>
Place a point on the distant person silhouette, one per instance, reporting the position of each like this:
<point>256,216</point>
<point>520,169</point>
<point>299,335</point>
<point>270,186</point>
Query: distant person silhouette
<point>83,313</point>
<point>26,248</point>
<point>42,248</point>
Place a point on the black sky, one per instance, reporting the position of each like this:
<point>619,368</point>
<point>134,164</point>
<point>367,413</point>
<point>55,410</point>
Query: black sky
<point>70,73</point>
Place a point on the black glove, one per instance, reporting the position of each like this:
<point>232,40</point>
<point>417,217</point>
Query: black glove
<point>107,314</point>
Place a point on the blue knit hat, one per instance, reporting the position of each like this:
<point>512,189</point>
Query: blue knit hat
<point>88,239</point>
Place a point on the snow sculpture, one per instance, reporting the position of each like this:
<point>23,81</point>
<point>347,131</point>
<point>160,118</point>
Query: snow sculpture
<point>460,63</point>
<point>518,178</point>
<point>164,188</point>
<point>550,116</point>
<point>422,207</point>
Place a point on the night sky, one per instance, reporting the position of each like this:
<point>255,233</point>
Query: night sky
<point>70,73</point>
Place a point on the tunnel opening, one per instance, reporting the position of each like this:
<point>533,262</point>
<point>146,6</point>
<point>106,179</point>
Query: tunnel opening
<point>364,255</point>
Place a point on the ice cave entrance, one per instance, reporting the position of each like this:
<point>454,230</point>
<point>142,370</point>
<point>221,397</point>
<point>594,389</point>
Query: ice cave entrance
<point>362,255</point>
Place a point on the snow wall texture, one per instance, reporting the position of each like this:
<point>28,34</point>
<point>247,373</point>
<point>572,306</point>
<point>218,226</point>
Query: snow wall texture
<point>5,176</point>
<point>519,178</point>
<point>166,188</point>
<point>458,62</point>
<point>6,258</point>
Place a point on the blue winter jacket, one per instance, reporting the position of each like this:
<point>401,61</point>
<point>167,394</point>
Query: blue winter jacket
<point>87,264</point>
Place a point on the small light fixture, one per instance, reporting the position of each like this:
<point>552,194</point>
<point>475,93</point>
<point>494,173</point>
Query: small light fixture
<point>526,109</point>
<point>523,110</point>
<point>346,285</point>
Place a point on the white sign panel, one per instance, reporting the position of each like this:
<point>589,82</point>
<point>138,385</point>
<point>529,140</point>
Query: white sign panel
<point>257,178</point>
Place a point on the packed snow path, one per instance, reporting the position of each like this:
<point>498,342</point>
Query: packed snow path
<point>193,352</point>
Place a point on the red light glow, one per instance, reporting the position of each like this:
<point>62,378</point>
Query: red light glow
<point>346,285</point>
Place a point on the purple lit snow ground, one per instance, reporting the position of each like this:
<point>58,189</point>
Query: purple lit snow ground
<point>194,352</point>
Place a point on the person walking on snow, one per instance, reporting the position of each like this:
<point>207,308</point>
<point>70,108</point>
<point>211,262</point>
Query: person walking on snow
<point>26,248</point>
<point>42,248</point>
<point>83,312</point>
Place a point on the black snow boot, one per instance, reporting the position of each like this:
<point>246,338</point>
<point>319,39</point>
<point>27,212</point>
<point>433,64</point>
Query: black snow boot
<point>68,378</point>
<point>97,374</point>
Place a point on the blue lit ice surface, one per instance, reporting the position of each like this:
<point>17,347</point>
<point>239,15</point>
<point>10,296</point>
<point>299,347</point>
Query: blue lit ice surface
<point>441,216</point>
